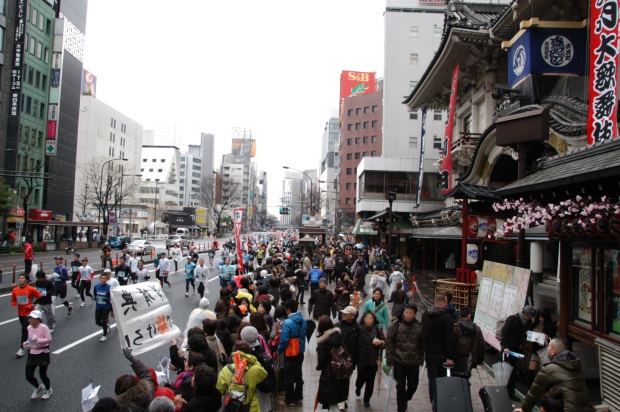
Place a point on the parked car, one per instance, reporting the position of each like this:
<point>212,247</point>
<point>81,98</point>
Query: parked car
<point>140,247</point>
<point>115,242</point>
<point>174,239</point>
<point>126,240</point>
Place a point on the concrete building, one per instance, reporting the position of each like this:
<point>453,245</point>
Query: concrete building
<point>198,164</point>
<point>293,188</point>
<point>103,132</point>
<point>261,208</point>
<point>327,183</point>
<point>160,168</point>
<point>238,178</point>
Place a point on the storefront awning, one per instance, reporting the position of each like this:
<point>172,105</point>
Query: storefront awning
<point>363,228</point>
<point>449,232</point>
<point>14,219</point>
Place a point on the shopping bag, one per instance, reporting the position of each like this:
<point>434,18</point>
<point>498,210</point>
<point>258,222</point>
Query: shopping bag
<point>89,397</point>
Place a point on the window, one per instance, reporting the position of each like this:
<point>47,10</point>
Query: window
<point>162,160</point>
<point>366,125</point>
<point>182,173</point>
<point>357,140</point>
<point>151,170</point>
<point>35,108</point>
<point>348,186</point>
<point>366,109</point>
<point>1,38</point>
<point>160,170</point>
<point>373,139</point>
<point>375,109</point>
<point>33,44</point>
<point>34,16</point>
<point>41,21</point>
<point>437,32</point>
<point>349,171</point>
<point>182,166</point>
<point>37,79</point>
<point>358,111</point>
<point>348,200</point>
<point>357,126</point>
<point>374,123</point>
<point>194,167</point>
<point>413,142</point>
<point>467,124</point>
<point>350,112</point>
<point>413,116</point>
<point>30,74</point>
<point>196,160</point>
<point>436,115</point>
<point>365,139</point>
<point>182,158</point>
<point>413,58</point>
<point>373,153</point>
<point>350,126</point>
<point>144,160</point>
<point>357,155</point>
<point>349,141</point>
<point>194,174</point>
<point>364,154</point>
<point>43,82</point>
<point>28,104</point>
<point>48,27</point>
<point>437,143</point>
<point>413,31</point>
<point>2,6</point>
<point>349,156</point>
<point>412,85</point>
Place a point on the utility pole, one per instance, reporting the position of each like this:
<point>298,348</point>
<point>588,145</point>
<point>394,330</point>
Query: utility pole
<point>391,196</point>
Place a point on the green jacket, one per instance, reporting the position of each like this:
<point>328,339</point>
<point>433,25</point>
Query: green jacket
<point>383,314</point>
<point>254,374</point>
<point>564,373</point>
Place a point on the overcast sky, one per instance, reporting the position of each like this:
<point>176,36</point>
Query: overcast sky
<point>208,66</point>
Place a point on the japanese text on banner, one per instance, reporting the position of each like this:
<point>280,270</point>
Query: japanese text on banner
<point>143,316</point>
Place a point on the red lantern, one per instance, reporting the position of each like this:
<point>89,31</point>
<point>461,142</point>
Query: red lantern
<point>578,227</point>
<point>492,227</point>
<point>614,225</point>
<point>557,226</point>
<point>589,228</point>
<point>549,227</point>
<point>472,227</point>
<point>567,226</point>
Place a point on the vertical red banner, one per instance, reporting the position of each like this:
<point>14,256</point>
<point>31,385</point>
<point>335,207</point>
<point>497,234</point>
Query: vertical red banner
<point>446,161</point>
<point>602,88</point>
<point>238,219</point>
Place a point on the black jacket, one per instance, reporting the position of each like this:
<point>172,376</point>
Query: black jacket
<point>331,391</point>
<point>370,353</point>
<point>351,336</point>
<point>405,344</point>
<point>46,288</point>
<point>323,302</point>
<point>204,403</point>
<point>440,340</point>
<point>513,333</point>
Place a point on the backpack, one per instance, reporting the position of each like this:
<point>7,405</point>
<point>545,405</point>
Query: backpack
<point>275,341</point>
<point>234,400</point>
<point>341,364</point>
<point>314,276</point>
<point>269,383</point>
<point>499,327</point>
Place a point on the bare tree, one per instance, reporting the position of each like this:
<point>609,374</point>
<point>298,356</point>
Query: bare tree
<point>109,188</point>
<point>230,196</point>
<point>31,167</point>
<point>85,198</point>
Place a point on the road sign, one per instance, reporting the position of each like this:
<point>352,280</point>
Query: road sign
<point>112,214</point>
<point>112,221</point>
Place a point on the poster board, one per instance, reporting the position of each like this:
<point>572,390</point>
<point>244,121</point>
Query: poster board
<point>143,316</point>
<point>503,290</point>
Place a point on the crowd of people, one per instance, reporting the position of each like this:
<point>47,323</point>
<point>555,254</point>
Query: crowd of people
<point>238,355</point>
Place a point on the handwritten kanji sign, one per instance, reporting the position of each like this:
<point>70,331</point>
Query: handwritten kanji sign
<point>143,316</point>
<point>602,93</point>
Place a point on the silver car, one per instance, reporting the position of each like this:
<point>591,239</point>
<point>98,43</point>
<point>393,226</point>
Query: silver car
<point>140,247</point>
<point>177,239</point>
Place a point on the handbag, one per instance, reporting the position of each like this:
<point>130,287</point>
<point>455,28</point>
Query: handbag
<point>201,288</point>
<point>292,349</point>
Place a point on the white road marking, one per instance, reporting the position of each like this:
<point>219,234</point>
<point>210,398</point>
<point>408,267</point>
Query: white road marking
<point>16,319</point>
<point>77,342</point>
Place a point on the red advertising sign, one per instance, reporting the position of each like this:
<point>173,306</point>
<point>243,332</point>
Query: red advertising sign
<point>603,92</point>
<point>18,211</point>
<point>51,129</point>
<point>40,214</point>
<point>238,220</point>
<point>446,162</point>
<point>354,84</point>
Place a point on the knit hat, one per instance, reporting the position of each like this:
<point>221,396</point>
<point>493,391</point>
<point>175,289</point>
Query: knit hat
<point>263,273</point>
<point>204,303</point>
<point>249,334</point>
<point>165,392</point>
<point>105,405</point>
<point>530,311</point>
<point>162,403</point>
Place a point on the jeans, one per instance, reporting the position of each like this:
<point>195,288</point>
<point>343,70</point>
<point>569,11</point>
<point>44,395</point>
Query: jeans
<point>434,369</point>
<point>101,319</point>
<point>293,378</point>
<point>187,283</point>
<point>366,376</point>
<point>406,384</point>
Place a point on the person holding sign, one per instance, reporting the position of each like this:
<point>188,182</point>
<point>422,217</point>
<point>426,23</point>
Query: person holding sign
<point>102,305</point>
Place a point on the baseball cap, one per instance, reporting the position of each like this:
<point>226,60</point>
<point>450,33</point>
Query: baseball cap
<point>35,314</point>
<point>106,270</point>
<point>58,257</point>
<point>349,310</point>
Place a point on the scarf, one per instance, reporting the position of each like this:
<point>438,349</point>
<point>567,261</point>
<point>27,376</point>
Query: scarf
<point>181,378</point>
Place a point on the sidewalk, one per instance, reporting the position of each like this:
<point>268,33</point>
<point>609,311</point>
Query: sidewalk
<point>420,402</point>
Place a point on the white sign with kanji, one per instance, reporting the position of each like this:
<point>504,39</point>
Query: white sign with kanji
<point>143,316</point>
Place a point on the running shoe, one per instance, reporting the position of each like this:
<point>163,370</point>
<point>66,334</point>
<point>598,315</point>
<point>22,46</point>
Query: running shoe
<point>37,392</point>
<point>21,352</point>
<point>51,330</point>
<point>77,296</point>
<point>83,304</point>
<point>70,309</point>
<point>187,294</point>
<point>103,339</point>
<point>47,394</point>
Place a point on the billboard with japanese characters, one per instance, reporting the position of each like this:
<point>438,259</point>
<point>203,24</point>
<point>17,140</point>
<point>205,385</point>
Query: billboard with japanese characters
<point>143,316</point>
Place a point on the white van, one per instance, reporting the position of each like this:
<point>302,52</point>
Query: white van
<point>183,232</point>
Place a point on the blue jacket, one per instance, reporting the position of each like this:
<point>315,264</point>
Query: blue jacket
<point>315,279</point>
<point>63,276</point>
<point>293,327</point>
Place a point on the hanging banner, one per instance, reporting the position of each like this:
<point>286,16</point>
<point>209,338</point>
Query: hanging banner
<point>602,90</point>
<point>421,165</point>
<point>238,218</point>
<point>446,162</point>
<point>143,317</point>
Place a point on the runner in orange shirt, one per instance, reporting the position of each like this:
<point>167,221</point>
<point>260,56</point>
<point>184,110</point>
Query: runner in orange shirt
<point>23,297</point>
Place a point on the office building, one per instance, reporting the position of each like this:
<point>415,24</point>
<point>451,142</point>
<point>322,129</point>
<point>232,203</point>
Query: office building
<point>196,165</point>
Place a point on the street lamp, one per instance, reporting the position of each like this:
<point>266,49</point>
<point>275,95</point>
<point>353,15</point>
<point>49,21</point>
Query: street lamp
<point>101,186</point>
<point>309,178</point>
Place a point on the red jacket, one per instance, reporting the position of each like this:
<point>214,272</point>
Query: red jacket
<point>28,252</point>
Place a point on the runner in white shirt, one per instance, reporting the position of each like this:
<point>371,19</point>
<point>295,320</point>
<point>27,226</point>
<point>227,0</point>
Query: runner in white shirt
<point>201,272</point>
<point>164,269</point>
<point>142,274</point>
<point>133,266</point>
<point>86,274</point>
<point>176,255</point>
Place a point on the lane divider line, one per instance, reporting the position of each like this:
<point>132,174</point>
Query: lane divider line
<point>77,342</point>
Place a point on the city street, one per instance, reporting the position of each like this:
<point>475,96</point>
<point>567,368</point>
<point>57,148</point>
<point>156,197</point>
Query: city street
<point>78,358</point>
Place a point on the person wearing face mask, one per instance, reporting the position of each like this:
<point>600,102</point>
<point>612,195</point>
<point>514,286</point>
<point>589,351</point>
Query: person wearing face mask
<point>513,332</point>
<point>322,302</point>
<point>379,308</point>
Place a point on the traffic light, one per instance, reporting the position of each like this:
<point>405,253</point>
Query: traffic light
<point>285,210</point>
<point>281,210</point>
